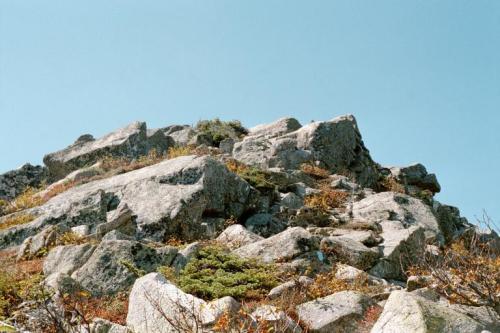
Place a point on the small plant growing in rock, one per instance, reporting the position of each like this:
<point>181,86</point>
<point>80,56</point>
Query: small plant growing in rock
<point>259,179</point>
<point>216,273</point>
<point>28,199</point>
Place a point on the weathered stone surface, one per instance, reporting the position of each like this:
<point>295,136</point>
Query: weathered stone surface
<point>236,236</point>
<point>157,306</point>
<point>180,134</point>
<point>283,246</point>
<point>349,251</point>
<point>185,255</point>
<point>406,312</point>
<point>275,320</point>
<point>450,222</point>
<point>131,142</point>
<point>108,269</point>
<point>277,128</point>
<point>336,313</point>
<point>416,175</point>
<point>399,207</point>
<point>119,219</point>
<point>15,182</point>
<point>399,249</point>
<point>264,224</point>
<point>367,237</point>
<point>35,245</point>
<point>335,144</point>
<point>167,199</point>
<point>287,287</point>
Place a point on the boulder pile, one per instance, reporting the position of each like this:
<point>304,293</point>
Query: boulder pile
<point>278,228</point>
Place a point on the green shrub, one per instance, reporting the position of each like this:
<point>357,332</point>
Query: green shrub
<point>218,130</point>
<point>216,273</point>
<point>259,179</point>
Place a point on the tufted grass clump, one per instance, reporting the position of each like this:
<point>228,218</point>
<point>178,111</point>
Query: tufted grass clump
<point>314,171</point>
<point>215,273</point>
<point>27,199</point>
<point>218,130</point>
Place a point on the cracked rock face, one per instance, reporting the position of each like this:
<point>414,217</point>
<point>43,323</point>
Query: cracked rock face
<point>335,145</point>
<point>166,199</point>
<point>15,182</point>
<point>131,142</point>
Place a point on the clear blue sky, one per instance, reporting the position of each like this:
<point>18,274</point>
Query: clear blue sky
<point>422,77</point>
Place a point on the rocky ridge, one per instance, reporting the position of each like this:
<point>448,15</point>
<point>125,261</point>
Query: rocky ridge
<point>295,212</point>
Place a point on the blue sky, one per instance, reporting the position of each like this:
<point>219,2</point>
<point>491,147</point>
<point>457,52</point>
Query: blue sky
<point>422,77</point>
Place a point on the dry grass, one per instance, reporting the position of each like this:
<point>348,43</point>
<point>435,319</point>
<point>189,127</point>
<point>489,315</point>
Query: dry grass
<point>28,199</point>
<point>123,165</point>
<point>327,283</point>
<point>174,152</point>
<point>327,199</point>
<point>391,184</point>
<point>314,171</point>
<point>16,220</point>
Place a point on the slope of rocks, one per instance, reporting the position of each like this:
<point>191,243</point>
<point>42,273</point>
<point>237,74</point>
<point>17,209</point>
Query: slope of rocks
<point>265,196</point>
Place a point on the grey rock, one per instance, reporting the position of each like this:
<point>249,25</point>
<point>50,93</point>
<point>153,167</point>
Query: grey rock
<point>399,207</point>
<point>264,224</point>
<point>406,312</point>
<point>291,201</point>
<point>285,288</point>
<point>336,313</point>
<point>156,305</point>
<point>185,255</point>
<point>277,128</point>
<point>484,315</point>
<point>399,249</point>
<point>367,237</point>
<point>349,251</point>
<point>15,182</point>
<point>283,246</point>
<point>335,144</point>
<point>130,142</point>
<point>180,134</point>
<point>227,145</point>
<point>167,199</point>
<point>116,235</point>
<point>33,246</point>
<point>236,236</point>
<point>452,225</point>
<point>416,175</point>
<point>106,271</point>
<point>119,219</point>
<point>275,320</point>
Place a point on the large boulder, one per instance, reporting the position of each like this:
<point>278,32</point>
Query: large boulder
<point>407,312</point>
<point>400,248</point>
<point>15,182</point>
<point>157,306</point>
<point>286,245</point>
<point>399,207</point>
<point>335,145</point>
<point>350,251</point>
<point>337,313</point>
<point>166,199</point>
<point>114,266</point>
<point>415,178</point>
<point>236,236</point>
<point>130,142</point>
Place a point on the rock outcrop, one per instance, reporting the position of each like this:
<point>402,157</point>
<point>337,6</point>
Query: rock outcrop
<point>130,142</point>
<point>338,244</point>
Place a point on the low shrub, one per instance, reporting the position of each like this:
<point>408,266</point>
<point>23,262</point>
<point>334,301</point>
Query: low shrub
<point>218,130</point>
<point>28,199</point>
<point>18,282</point>
<point>466,272</point>
<point>215,273</point>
